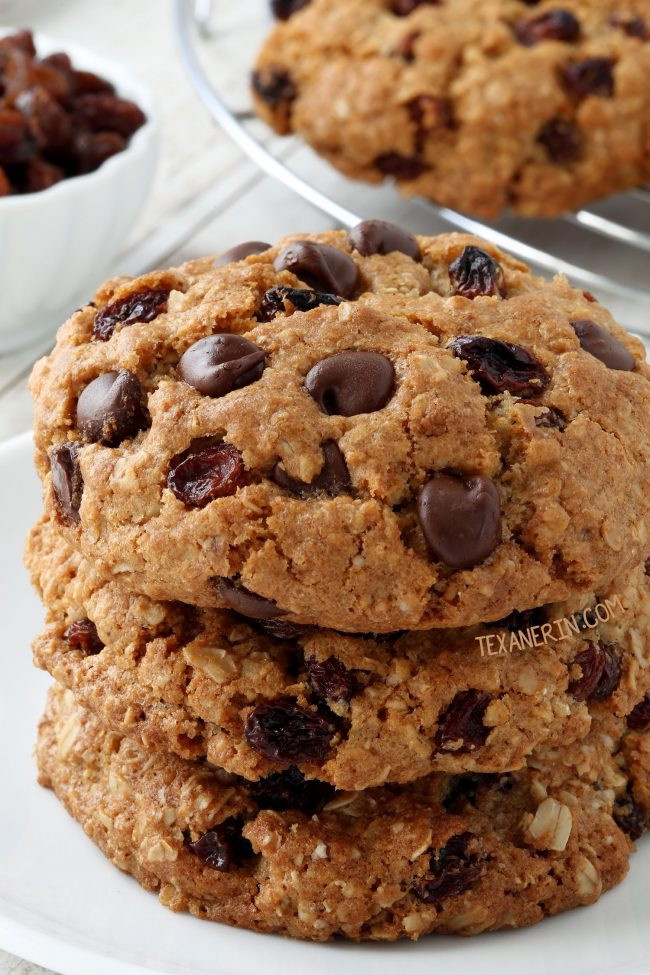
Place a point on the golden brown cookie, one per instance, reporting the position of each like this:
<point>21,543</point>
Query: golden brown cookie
<point>354,712</point>
<point>454,440</point>
<point>449,854</point>
<point>480,107</point>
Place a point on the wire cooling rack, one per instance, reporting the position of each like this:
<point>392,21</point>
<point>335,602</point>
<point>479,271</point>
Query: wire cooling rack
<point>604,248</point>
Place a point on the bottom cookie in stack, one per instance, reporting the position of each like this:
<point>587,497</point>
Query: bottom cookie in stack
<point>453,854</point>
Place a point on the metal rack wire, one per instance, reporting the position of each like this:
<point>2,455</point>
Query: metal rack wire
<point>604,248</point>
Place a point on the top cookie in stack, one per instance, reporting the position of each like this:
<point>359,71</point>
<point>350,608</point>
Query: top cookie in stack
<point>535,107</point>
<point>363,431</point>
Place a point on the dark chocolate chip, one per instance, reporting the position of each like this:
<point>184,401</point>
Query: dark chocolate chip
<point>246,603</point>
<point>333,477</point>
<point>82,636</point>
<point>223,847</point>
<point>474,273</point>
<point>452,870</point>
<point>594,76</point>
<point>240,252</point>
<point>598,342</point>
<point>562,140</point>
<point>349,383</point>
<point>283,9</point>
<point>320,266</point>
<point>380,237</point>
<point>282,731</point>
<point>220,363</point>
<point>67,482</point>
<point>501,366</point>
<point>142,306</point>
<point>460,518</point>
<point>552,25</point>
<point>110,408</point>
<point>274,86</point>
<point>198,477</point>
<point>287,300</point>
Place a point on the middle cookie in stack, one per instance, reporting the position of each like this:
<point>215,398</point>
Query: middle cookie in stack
<point>342,515</point>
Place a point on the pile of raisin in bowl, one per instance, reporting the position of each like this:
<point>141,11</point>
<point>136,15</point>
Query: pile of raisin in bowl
<point>56,121</point>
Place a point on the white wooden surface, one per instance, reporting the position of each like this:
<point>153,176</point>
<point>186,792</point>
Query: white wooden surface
<point>206,196</point>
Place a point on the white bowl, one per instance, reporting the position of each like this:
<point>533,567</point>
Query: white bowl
<point>56,246</point>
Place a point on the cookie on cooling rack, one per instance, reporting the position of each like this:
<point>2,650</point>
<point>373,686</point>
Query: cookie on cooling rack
<point>450,854</point>
<point>481,107</point>
<point>355,712</point>
<point>364,432</point>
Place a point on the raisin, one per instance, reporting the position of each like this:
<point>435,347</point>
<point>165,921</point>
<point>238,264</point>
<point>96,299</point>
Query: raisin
<point>91,149</point>
<point>274,86</point>
<point>67,481</point>
<point>646,567</point>
<point>633,26</point>
<point>522,620</point>
<point>223,847</point>
<point>107,113</point>
<point>49,124</point>
<point>82,636</point>
<point>463,722</point>
<point>630,817</point>
<point>553,25</point>
<point>406,47</point>
<point>142,306</point>
<point>40,175</point>
<point>501,367</point>
<point>430,113</point>
<point>331,680</point>
<point>5,185</point>
<point>197,477</point>
<point>283,9</point>
<point>401,167</point>
<point>15,144</point>
<point>474,273</point>
<point>283,630</point>
<point>282,731</point>
<point>594,76</point>
<point>451,870</point>
<point>600,673</point>
<point>404,7</point>
<point>281,791</point>
<point>551,419</point>
<point>639,718</point>
<point>287,300</point>
<point>85,83</point>
<point>561,139</point>
<point>22,40</point>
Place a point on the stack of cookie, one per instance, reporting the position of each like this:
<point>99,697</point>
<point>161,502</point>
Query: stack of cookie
<point>343,557</point>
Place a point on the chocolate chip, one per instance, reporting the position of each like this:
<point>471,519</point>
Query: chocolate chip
<point>461,728</point>
<point>600,673</point>
<point>333,477</point>
<point>220,363</point>
<point>110,408</point>
<point>331,680</point>
<point>639,718</point>
<point>274,86</point>
<point>598,342</point>
<point>501,367</point>
<point>380,237</point>
<point>142,306</point>
<point>283,9</point>
<point>287,300</point>
<point>451,870</point>
<point>399,166</point>
<point>562,140</point>
<point>198,477</point>
<point>283,791</point>
<point>223,847</point>
<point>552,25</point>
<point>282,731</point>
<point>349,383</point>
<point>67,482</point>
<point>460,518</point>
<point>82,636</point>
<point>246,603</point>
<point>320,266</point>
<point>594,76</point>
<point>404,7</point>
<point>474,273</point>
<point>240,252</point>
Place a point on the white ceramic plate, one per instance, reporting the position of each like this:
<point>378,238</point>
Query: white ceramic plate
<point>64,906</point>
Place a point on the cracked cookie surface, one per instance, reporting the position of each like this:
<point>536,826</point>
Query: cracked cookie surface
<point>479,107</point>
<point>448,854</point>
<point>351,711</point>
<point>444,440</point>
